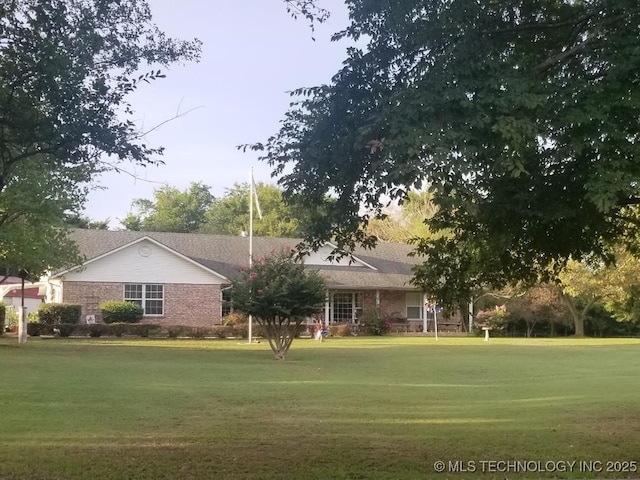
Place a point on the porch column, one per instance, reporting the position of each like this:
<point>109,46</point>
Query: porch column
<point>326,311</point>
<point>377,298</point>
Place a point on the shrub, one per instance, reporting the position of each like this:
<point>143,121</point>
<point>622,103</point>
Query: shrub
<point>65,329</point>
<point>342,330</point>
<point>119,329</point>
<point>3,312</point>
<point>58,313</point>
<point>94,330</point>
<point>332,330</point>
<point>99,329</point>
<point>241,330</point>
<point>175,331</point>
<point>144,329</point>
<point>223,331</point>
<point>11,318</point>
<point>35,329</point>
<point>198,332</point>
<point>235,318</point>
<point>374,322</point>
<point>114,311</point>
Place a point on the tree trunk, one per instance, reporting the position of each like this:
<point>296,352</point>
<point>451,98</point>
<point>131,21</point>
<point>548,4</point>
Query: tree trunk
<point>280,333</point>
<point>578,321</point>
<point>529,330</point>
<point>578,316</point>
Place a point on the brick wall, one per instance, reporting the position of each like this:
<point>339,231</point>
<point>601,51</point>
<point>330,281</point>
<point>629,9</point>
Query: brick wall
<point>90,295</point>
<point>391,301</point>
<point>394,302</point>
<point>192,305</point>
<point>184,304</point>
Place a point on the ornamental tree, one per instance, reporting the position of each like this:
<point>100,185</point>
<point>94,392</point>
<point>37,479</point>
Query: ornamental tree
<point>280,293</point>
<point>520,116</point>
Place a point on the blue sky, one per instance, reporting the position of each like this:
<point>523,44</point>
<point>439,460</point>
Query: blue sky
<point>253,53</point>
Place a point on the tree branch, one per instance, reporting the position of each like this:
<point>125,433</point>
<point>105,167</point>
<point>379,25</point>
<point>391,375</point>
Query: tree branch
<point>559,57</point>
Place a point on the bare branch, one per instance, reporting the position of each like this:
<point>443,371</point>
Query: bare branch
<point>175,117</point>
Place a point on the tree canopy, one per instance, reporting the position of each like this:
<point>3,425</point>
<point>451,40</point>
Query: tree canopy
<point>520,116</point>
<point>66,69</point>
<point>585,284</point>
<point>171,210</point>
<point>230,214</point>
<point>196,210</point>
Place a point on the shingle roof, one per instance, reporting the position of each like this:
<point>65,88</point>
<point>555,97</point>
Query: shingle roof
<point>226,254</point>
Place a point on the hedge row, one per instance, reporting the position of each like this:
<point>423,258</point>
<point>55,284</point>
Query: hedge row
<point>112,312</point>
<point>55,313</point>
<point>35,329</point>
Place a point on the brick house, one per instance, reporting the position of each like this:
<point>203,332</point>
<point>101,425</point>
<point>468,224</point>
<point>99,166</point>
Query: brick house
<point>180,279</point>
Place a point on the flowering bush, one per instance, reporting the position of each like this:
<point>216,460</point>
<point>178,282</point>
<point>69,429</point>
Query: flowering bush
<point>493,318</point>
<point>374,322</point>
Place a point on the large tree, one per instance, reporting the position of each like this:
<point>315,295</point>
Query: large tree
<point>230,214</point>
<point>521,116</point>
<point>33,204</point>
<point>586,284</point>
<point>66,69</point>
<point>171,210</point>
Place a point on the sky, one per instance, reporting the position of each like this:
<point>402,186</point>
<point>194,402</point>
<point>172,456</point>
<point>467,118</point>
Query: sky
<point>253,54</point>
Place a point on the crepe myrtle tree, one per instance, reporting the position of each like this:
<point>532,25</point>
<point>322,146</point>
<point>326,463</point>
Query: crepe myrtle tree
<point>279,292</point>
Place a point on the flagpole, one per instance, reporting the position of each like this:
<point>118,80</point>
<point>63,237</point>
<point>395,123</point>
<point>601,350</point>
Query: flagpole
<point>250,239</point>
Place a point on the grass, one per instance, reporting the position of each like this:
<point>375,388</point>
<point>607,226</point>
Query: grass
<point>346,409</point>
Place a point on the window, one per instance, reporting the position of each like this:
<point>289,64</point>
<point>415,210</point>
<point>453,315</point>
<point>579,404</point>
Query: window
<point>345,306</point>
<point>226,307</point>
<point>414,306</point>
<point>150,297</point>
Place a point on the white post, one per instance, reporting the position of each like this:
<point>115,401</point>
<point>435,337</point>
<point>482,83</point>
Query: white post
<point>22,325</point>
<point>435,321</point>
<point>471,315</point>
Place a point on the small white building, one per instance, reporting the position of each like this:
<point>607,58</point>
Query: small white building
<point>11,294</point>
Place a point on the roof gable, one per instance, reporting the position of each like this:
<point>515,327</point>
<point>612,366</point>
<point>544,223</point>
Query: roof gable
<point>144,249</point>
<point>321,258</point>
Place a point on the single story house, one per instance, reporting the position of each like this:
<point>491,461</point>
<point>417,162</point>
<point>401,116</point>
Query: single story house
<point>180,278</point>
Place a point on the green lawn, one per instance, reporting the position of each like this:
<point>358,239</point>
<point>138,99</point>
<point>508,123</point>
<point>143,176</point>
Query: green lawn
<point>347,408</point>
